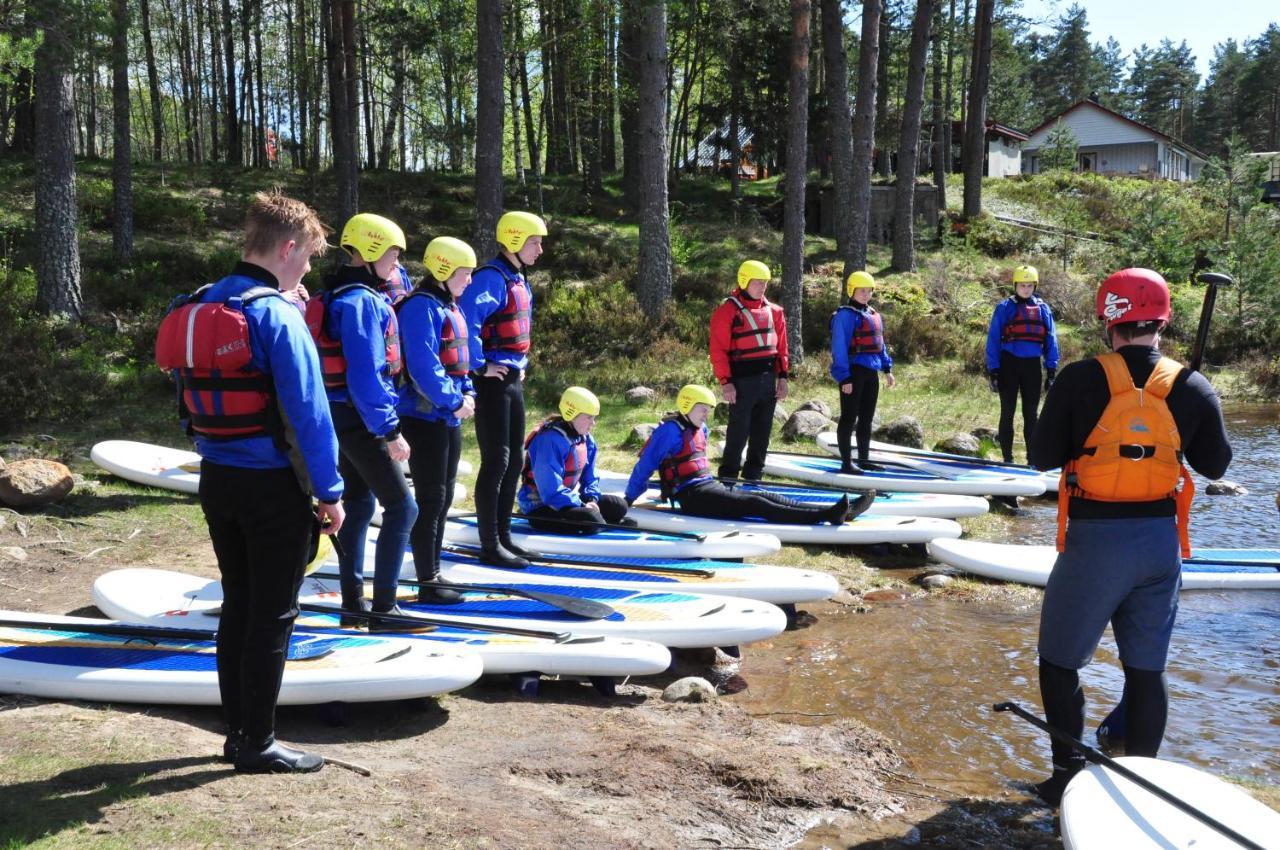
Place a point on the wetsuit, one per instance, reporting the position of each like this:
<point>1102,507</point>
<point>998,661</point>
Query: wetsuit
<point>561,491</point>
<point>858,356</point>
<point>1020,334</point>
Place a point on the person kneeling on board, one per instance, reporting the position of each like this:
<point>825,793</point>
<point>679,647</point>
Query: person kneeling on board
<point>560,492</point>
<point>677,450</point>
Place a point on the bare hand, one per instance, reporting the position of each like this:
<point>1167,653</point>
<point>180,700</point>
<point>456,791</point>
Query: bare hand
<point>783,389</point>
<point>730,393</point>
<point>331,517</point>
<point>297,295</point>
<point>889,380</point>
<point>468,408</point>
<point>495,370</point>
<point>398,449</point>
<point>846,389</point>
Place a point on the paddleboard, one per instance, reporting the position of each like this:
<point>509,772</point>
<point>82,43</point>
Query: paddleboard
<point>71,661</point>
<point>861,530</point>
<point>1207,569</point>
<point>673,619</point>
<point>630,542</point>
<point>161,595</point>
<point>1101,809</point>
<point>941,463</point>
<point>826,470</point>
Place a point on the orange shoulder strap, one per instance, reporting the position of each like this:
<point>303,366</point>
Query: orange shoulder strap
<point>1118,378</point>
<point>1162,377</point>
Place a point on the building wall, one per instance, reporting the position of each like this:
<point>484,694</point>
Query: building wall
<point>1004,157</point>
<point>1093,127</point>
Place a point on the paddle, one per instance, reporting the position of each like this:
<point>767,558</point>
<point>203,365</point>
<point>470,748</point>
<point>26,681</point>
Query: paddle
<point>417,620</point>
<point>1275,565</point>
<point>576,605</point>
<point>1212,280</point>
<point>474,552</point>
<point>683,535</point>
<point>926,455</point>
<point>843,491</point>
<point>1098,758</point>
<point>300,651</point>
<point>916,466</point>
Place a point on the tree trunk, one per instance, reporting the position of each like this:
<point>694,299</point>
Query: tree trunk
<point>24,115</point>
<point>234,156</point>
<point>946,94</point>
<point>58,260</point>
<point>261,134</point>
<point>522,61</point>
<point>396,109</point>
<point>904,230</point>
<point>153,82</point>
<point>653,285</point>
<point>941,125</point>
<point>864,135</point>
<point>342,118</point>
<point>366,102</point>
<point>513,102</point>
<point>489,124</point>
<point>121,163</point>
<point>882,87</point>
<point>975,130</point>
<point>964,75</point>
<point>608,139</point>
<point>248,112</point>
<point>563,138</point>
<point>91,112</point>
<point>302,64</point>
<point>796,178</point>
<point>215,88</point>
<point>629,36</point>
<point>839,122</point>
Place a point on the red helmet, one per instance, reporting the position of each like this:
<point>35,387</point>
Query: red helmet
<point>1133,295</point>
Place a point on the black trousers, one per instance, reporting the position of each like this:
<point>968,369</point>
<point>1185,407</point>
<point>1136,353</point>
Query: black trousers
<point>857,411</point>
<point>1018,376</point>
<point>433,462</point>
<point>582,519</point>
<point>500,433</point>
<point>717,501</point>
<point>260,522</point>
<point>750,425</point>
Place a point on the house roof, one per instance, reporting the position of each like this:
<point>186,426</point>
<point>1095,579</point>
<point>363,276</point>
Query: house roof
<point>1002,130</point>
<point>720,138</point>
<point>1125,118</point>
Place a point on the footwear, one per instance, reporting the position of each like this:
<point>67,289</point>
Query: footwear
<point>438,595</point>
<point>1050,790</point>
<point>511,547</point>
<point>500,556</point>
<point>231,747</point>
<point>837,512</point>
<point>275,757</point>
<point>377,625</point>
<point>861,504</point>
<point>627,522</point>
<point>353,601</point>
<point>850,468</point>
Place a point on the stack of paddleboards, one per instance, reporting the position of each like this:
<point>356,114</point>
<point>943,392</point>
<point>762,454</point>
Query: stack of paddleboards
<point>940,463</point>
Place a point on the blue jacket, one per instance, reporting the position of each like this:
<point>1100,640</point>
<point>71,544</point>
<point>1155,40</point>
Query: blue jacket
<point>1004,313</point>
<point>486,295</point>
<point>282,348</point>
<point>844,324</point>
<point>358,319</point>
<point>666,440</point>
<point>546,457</point>
<point>427,391</point>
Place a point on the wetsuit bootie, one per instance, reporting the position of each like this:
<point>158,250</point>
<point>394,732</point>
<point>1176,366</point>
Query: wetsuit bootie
<point>506,542</point>
<point>850,468</point>
<point>437,595</point>
<point>275,757</point>
<point>861,504</point>
<point>500,556</point>
<point>837,512</point>
<point>354,601</point>
<point>1050,790</point>
<point>231,747</point>
<point>379,625</point>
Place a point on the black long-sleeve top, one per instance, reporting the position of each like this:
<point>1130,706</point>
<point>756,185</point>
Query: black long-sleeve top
<point>1076,402</point>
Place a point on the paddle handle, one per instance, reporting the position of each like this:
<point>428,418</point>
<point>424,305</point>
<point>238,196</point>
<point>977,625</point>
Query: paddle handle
<point>1111,764</point>
<point>1212,280</point>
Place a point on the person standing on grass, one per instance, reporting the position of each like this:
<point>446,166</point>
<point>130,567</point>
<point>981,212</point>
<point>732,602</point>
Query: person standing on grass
<point>1020,335</point>
<point>858,356</point>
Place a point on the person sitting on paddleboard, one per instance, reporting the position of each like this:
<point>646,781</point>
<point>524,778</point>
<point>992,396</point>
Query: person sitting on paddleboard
<point>561,491</point>
<point>1020,334</point>
<point>1122,517</point>
<point>677,451</point>
<point>858,356</point>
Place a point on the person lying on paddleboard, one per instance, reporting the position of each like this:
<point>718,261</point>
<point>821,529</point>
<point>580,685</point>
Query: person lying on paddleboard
<point>677,451</point>
<point>560,490</point>
<point>858,356</point>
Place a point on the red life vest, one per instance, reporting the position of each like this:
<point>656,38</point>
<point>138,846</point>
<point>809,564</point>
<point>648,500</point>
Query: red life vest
<point>687,464</point>
<point>508,328</point>
<point>1027,324</point>
<point>575,462</point>
<point>333,364</point>
<point>396,287</point>
<point>455,353</point>
<point>222,396</point>
<point>752,335</point>
<point>868,336</point>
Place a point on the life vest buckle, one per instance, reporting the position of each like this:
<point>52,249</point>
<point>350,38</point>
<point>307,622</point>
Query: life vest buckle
<point>1136,452</point>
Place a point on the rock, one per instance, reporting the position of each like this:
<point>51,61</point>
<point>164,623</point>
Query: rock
<point>779,414</point>
<point>903,431</point>
<point>720,432</point>
<point>960,443</point>
<point>805,423</point>
<point>689,689</point>
<point>818,405</point>
<point>639,434</point>
<point>988,434</point>
<point>34,483</point>
<point>640,395</point>
<point>721,413</point>
<point>13,553</point>
<point>884,595</point>
<point>935,581</point>
<point>1225,488</point>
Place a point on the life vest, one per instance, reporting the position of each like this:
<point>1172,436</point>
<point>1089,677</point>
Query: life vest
<point>397,287</point>
<point>206,345</point>
<point>752,335</point>
<point>687,464</point>
<point>1027,324</point>
<point>575,463</point>
<point>1134,453</point>
<point>455,354</point>
<point>333,363</point>
<point>868,336</point>
<point>507,329</point>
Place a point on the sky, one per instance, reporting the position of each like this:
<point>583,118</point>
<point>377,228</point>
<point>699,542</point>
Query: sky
<point>1133,22</point>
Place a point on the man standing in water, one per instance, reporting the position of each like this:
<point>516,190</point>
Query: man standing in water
<point>1120,425</point>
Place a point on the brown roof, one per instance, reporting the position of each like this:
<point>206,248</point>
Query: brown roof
<point>1124,118</point>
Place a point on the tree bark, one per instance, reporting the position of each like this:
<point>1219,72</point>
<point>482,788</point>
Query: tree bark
<point>864,135</point>
<point>975,130</point>
<point>796,178</point>
<point>396,110</point>
<point>260,136</point>
<point>24,114</point>
<point>342,119</point>
<point>608,138</point>
<point>839,122</point>
<point>653,286</point>
<point>904,230</point>
<point>234,154</point>
<point>882,88</point>
<point>513,102</point>
<point>628,99</point>
<point>489,124</point>
<point>153,82</point>
<point>121,162</point>
<point>941,125</point>
<point>215,88</point>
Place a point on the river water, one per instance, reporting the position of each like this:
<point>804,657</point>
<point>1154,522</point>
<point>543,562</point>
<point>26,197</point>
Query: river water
<point>926,672</point>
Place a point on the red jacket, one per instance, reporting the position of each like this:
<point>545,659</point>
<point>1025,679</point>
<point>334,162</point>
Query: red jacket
<point>727,319</point>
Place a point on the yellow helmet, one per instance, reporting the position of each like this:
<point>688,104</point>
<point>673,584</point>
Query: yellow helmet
<point>691,394</point>
<point>858,280</point>
<point>752,270</point>
<point>445,255</point>
<point>515,227</point>
<point>577,400</point>
<point>371,235</point>
<point>323,550</point>
<point>1026,274</point>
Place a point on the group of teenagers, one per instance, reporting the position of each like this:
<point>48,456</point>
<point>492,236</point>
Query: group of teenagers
<point>304,407</point>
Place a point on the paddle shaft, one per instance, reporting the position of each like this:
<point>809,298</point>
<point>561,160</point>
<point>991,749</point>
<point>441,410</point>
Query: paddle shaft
<point>1275,565</point>
<point>573,604</point>
<point>414,619</point>
<point>684,535</point>
<point>919,453</point>
<point>116,630</point>
<point>1111,764</point>
<point>550,560</point>
<point>1212,281</point>
<point>915,467</point>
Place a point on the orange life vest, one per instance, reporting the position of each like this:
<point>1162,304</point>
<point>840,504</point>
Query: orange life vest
<point>1134,453</point>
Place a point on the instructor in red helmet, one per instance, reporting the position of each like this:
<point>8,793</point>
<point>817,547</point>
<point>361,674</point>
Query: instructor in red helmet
<point>1120,425</point>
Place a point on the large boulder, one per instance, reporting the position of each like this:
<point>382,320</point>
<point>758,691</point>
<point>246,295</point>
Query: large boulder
<point>988,434</point>
<point>34,483</point>
<point>779,414</point>
<point>818,405</point>
<point>690,689</point>
<point>1225,488</point>
<point>640,395</point>
<point>639,435</point>
<point>721,413</point>
<point>805,423</point>
<point>903,431</point>
<point>960,443</point>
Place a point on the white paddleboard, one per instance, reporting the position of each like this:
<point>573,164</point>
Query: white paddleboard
<point>1207,569</point>
<point>938,462</point>
<point>622,541</point>
<point>1102,810</point>
<point>72,663</point>
<point>861,530</point>
<point>154,466</point>
<point>826,470</point>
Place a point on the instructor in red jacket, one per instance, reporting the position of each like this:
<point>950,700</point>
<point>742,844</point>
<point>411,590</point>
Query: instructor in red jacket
<point>749,355</point>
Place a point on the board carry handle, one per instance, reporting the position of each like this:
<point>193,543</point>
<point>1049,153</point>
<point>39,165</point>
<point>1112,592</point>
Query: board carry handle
<point>1097,757</point>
